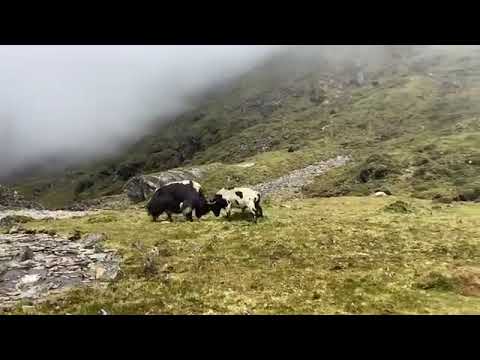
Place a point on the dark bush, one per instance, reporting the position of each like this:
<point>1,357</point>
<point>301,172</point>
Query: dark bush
<point>437,281</point>
<point>107,171</point>
<point>365,175</point>
<point>468,195</point>
<point>426,148</point>
<point>421,161</point>
<point>443,199</point>
<point>129,170</point>
<point>83,185</point>
<point>373,173</point>
<point>293,148</point>
<point>400,207</point>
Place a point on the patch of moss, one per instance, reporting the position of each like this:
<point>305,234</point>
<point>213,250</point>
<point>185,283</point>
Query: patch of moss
<point>14,219</point>
<point>399,207</point>
<point>439,282</point>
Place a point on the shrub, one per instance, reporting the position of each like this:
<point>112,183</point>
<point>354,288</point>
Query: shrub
<point>83,185</point>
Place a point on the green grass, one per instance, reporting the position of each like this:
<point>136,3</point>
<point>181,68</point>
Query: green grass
<point>345,255</point>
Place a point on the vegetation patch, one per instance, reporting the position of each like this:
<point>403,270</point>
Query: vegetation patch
<point>399,207</point>
<point>345,256</point>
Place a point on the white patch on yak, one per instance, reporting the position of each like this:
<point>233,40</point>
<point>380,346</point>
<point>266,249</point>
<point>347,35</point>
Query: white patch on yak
<point>196,185</point>
<point>187,210</point>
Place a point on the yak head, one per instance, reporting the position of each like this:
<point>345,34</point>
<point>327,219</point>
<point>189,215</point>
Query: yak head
<point>217,204</point>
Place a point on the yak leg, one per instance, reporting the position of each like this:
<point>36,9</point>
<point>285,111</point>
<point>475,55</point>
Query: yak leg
<point>228,210</point>
<point>187,210</point>
<point>259,210</point>
<point>254,213</point>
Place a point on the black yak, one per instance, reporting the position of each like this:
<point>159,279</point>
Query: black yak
<point>179,197</point>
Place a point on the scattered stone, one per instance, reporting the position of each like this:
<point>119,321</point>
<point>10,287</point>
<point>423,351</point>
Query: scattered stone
<point>294,181</point>
<point>380,194</point>
<point>99,272</point>
<point>92,240</point>
<point>14,230</point>
<point>48,232</point>
<point>77,235</point>
<point>246,165</point>
<point>57,265</point>
<point>26,254</point>
<point>293,148</point>
<point>3,269</point>
<point>150,266</point>
<point>30,279</point>
<point>167,268</point>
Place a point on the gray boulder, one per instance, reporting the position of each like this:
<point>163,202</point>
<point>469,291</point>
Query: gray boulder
<point>141,187</point>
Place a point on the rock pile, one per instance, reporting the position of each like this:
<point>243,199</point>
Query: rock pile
<point>294,181</point>
<point>34,265</point>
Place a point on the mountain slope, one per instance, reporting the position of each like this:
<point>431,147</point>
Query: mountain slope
<point>415,111</point>
<point>409,127</point>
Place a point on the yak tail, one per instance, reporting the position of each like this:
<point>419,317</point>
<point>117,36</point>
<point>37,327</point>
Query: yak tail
<point>258,208</point>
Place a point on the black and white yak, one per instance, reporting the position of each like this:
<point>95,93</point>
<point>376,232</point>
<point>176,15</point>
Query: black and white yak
<point>178,197</point>
<point>239,197</point>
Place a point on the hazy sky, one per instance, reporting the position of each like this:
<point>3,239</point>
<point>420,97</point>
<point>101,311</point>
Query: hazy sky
<point>85,100</point>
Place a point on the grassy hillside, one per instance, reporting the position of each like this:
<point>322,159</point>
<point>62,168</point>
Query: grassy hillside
<point>320,256</point>
<point>417,116</point>
<point>412,129</point>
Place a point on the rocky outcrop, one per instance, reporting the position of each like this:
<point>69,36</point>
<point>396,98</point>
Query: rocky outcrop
<point>141,187</point>
<point>12,199</point>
